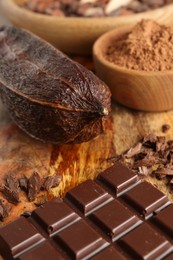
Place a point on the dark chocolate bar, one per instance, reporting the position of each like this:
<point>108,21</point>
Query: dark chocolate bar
<point>114,217</point>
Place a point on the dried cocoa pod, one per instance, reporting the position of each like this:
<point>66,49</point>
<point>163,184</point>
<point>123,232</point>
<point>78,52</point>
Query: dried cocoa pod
<point>49,96</point>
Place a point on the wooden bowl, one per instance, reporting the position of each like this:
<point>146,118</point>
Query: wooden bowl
<point>141,90</point>
<point>73,34</point>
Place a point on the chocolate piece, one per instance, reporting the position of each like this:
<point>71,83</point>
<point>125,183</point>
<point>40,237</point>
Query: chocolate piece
<point>146,243</point>
<point>118,178</point>
<point>44,251</point>
<point>18,236</point>
<point>51,182</point>
<point>165,128</point>
<point>11,189</point>
<point>3,211</point>
<point>110,253</point>
<point>80,240</point>
<point>115,220</point>
<point>146,199</point>
<point>88,196</point>
<point>54,216</point>
<point>164,220</point>
<point>34,186</point>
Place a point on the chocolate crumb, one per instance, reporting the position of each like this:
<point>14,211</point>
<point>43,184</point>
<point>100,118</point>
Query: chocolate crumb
<point>51,182</point>
<point>34,186</point>
<point>165,128</point>
<point>11,189</point>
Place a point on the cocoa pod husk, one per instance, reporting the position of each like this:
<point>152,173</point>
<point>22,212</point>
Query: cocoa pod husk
<point>49,96</point>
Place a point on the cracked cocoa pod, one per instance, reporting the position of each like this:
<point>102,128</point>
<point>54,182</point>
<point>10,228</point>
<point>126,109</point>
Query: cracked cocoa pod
<point>49,96</point>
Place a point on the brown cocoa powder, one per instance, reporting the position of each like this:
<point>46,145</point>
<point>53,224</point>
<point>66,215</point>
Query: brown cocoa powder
<point>148,47</point>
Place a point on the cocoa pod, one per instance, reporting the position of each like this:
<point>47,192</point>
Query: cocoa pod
<point>49,96</point>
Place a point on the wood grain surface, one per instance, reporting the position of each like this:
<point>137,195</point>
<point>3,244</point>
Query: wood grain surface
<point>21,154</point>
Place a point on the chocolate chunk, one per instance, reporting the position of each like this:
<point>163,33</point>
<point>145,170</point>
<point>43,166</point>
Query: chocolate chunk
<point>34,186</point>
<point>11,189</point>
<point>51,182</point>
<point>3,211</point>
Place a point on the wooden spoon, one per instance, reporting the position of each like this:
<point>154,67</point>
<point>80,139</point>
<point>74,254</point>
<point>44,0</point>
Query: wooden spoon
<point>141,90</point>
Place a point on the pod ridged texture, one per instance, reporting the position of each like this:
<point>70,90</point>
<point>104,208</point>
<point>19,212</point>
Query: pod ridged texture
<point>48,95</point>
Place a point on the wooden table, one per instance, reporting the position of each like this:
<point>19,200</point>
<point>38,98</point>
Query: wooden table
<point>20,154</point>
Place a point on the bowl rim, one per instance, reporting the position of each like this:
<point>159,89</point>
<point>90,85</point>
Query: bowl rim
<point>118,68</point>
<point>17,7</point>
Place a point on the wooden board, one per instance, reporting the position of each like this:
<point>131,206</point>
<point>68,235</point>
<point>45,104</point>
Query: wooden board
<point>20,154</point>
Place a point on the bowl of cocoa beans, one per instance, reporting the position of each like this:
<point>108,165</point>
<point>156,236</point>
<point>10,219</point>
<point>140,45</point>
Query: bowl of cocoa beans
<point>74,25</point>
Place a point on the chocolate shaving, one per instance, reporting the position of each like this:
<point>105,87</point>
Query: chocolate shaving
<point>148,161</point>
<point>51,182</point>
<point>11,189</point>
<point>164,171</point>
<point>3,211</point>
<point>133,151</point>
<point>23,183</point>
<point>155,158</point>
<point>160,144</point>
<point>34,186</point>
<point>143,170</point>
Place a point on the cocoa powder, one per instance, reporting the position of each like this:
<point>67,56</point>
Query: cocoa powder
<point>148,47</point>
